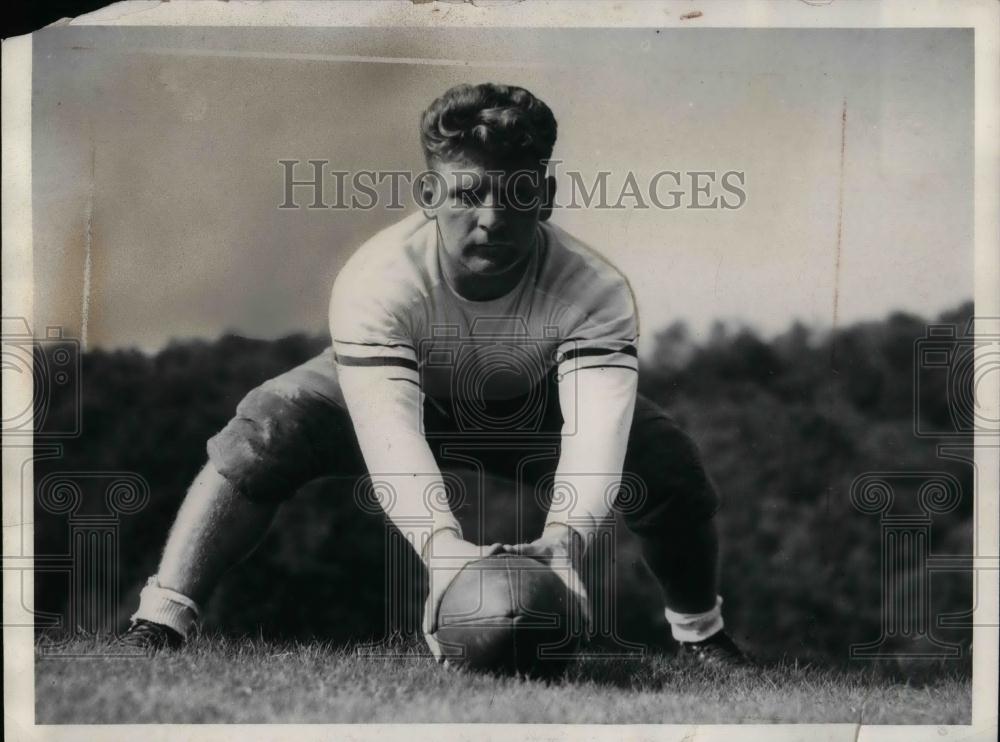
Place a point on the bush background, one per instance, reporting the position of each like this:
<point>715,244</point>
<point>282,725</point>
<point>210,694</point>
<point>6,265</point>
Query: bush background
<point>785,426</point>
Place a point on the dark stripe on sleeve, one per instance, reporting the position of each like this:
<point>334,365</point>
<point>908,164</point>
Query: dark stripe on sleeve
<point>384,361</point>
<point>628,350</point>
<point>630,340</point>
<point>374,345</point>
<point>400,378</point>
<point>605,365</point>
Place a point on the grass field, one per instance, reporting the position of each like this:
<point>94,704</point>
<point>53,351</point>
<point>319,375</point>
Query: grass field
<point>256,681</point>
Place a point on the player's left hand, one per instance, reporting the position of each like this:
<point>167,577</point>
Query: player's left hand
<point>562,549</point>
<point>448,556</point>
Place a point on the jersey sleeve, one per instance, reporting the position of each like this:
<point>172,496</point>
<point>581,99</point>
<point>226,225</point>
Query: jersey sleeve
<point>368,331</point>
<point>607,334</point>
<point>377,371</point>
<point>598,380</point>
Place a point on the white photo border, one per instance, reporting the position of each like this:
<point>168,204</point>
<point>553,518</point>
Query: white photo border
<point>981,15</point>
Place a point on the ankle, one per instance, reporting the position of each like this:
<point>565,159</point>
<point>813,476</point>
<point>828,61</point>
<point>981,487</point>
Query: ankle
<point>166,607</point>
<point>695,627</point>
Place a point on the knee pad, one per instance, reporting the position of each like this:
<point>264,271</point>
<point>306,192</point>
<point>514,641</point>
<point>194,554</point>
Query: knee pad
<point>281,438</point>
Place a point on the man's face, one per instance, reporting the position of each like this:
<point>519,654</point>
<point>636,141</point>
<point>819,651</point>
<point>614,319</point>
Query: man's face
<point>487,214</point>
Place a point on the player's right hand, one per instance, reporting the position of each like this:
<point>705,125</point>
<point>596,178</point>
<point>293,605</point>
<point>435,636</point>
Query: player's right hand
<point>446,556</point>
<point>561,548</point>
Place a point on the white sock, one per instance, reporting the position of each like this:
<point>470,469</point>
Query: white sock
<point>694,627</point>
<point>167,607</point>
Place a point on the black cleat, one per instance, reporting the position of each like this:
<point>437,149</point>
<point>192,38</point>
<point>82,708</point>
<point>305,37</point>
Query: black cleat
<point>151,637</point>
<point>717,651</point>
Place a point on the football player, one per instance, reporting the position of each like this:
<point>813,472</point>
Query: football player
<point>473,319</point>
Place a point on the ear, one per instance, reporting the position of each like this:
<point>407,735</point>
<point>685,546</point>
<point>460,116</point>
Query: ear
<point>428,195</point>
<point>548,199</point>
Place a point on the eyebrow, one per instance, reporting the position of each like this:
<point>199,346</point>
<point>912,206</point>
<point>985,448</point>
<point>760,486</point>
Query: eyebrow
<point>466,186</point>
<point>478,184</point>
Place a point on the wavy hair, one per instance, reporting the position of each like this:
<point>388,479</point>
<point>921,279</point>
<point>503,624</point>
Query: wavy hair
<point>487,121</point>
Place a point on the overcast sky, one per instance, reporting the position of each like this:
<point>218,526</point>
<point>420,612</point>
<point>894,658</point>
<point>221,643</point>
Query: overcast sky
<point>167,141</point>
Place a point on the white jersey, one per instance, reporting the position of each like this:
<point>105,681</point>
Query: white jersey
<point>392,306</point>
<point>401,332</point>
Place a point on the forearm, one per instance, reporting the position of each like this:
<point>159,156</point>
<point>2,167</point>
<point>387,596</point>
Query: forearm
<point>405,477</point>
<point>598,407</point>
<point>414,498</point>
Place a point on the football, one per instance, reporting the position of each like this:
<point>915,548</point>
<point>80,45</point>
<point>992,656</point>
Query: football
<point>509,615</point>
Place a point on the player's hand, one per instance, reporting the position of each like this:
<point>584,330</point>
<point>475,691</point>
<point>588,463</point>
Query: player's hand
<point>446,555</point>
<point>562,549</point>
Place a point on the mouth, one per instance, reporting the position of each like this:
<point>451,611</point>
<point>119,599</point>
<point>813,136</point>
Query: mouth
<point>492,256</point>
<point>491,249</point>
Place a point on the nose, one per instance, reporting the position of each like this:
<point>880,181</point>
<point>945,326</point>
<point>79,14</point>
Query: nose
<point>490,216</point>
